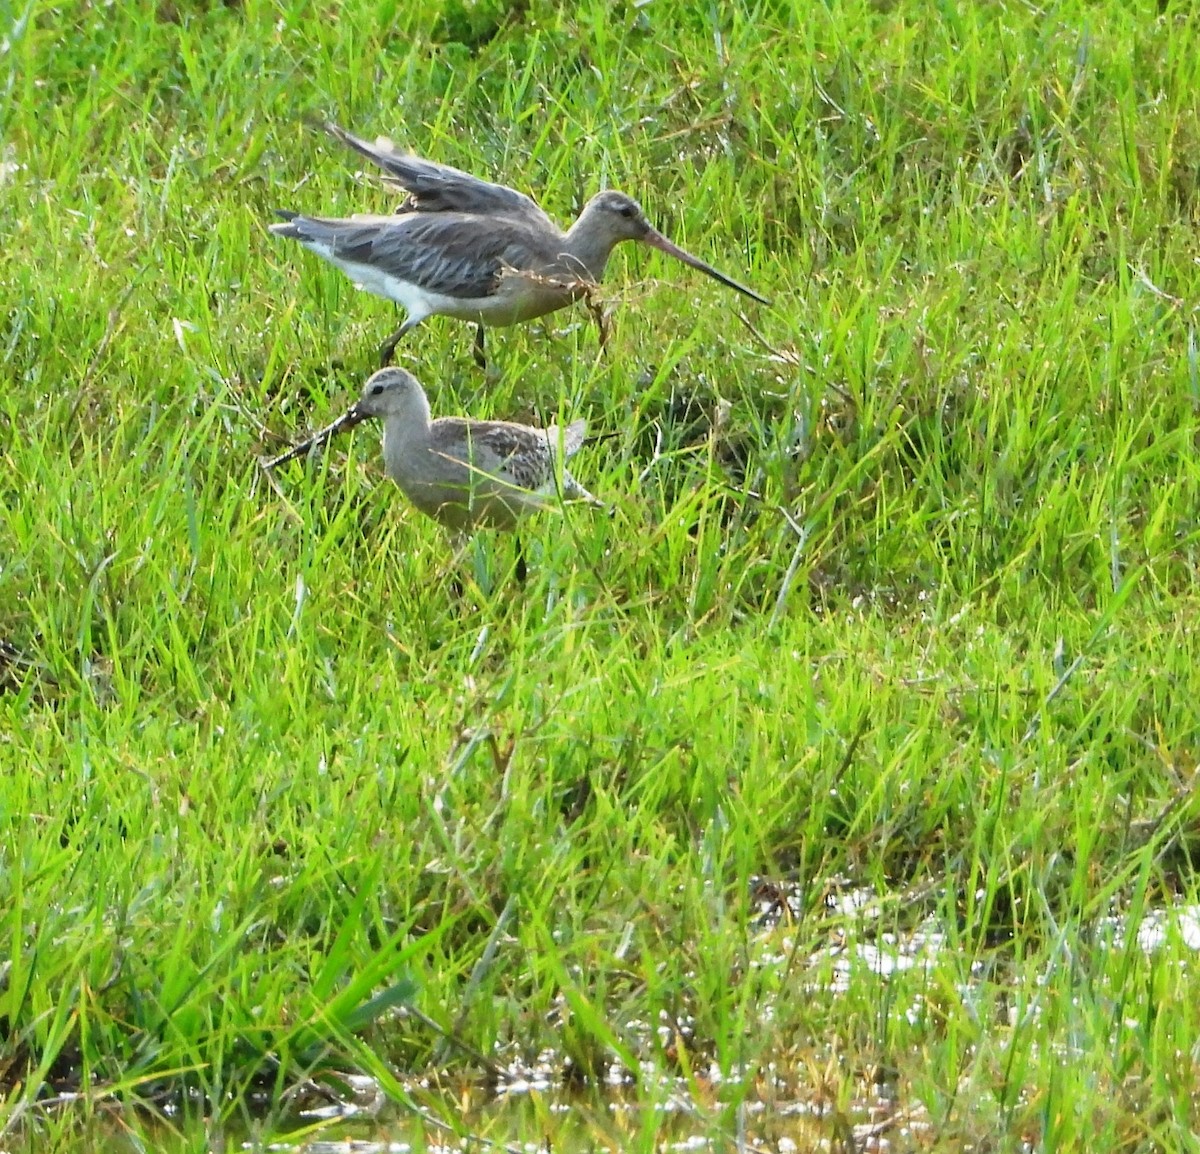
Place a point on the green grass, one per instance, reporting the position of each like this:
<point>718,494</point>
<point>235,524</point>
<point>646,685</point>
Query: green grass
<point>899,599</point>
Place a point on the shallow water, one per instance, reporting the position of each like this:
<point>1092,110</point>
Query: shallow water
<point>782,1110</point>
<point>534,1120</point>
<point>529,1116</point>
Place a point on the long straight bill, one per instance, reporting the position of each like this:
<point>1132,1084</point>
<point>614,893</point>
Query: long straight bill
<point>656,240</point>
<point>346,421</point>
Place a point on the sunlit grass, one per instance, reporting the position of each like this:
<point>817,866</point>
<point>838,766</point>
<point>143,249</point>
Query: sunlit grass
<point>897,596</point>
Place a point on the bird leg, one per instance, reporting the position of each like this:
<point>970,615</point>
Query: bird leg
<point>389,346</point>
<point>477,348</point>
<point>522,569</point>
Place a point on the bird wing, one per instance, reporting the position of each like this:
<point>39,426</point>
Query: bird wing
<point>572,437</point>
<point>509,454</point>
<point>455,254</point>
<point>434,187</point>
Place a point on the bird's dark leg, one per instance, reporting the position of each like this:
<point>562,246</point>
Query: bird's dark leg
<point>522,570</point>
<point>389,346</point>
<point>477,348</point>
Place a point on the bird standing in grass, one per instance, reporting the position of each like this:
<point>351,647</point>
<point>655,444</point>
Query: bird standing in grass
<point>463,473</point>
<point>463,247</point>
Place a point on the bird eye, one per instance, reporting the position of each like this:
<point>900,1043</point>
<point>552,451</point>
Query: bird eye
<point>627,211</point>
<point>376,390</point>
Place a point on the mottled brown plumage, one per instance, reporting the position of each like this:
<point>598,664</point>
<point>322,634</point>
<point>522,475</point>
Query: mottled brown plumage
<point>461,472</point>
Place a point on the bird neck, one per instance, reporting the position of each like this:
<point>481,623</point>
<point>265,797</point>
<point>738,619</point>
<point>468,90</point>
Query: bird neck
<point>405,426</point>
<point>589,243</point>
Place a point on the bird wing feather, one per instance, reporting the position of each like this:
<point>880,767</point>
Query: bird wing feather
<point>454,254</point>
<point>435,188</point>
<point>510,454</point>
<point>571,438</point>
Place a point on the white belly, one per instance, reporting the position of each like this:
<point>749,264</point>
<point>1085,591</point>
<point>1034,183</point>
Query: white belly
<point>518,297</point>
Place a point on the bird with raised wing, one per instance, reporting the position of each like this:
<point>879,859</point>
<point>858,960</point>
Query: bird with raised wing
<point>463,247</point>
<point>463,473</point>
